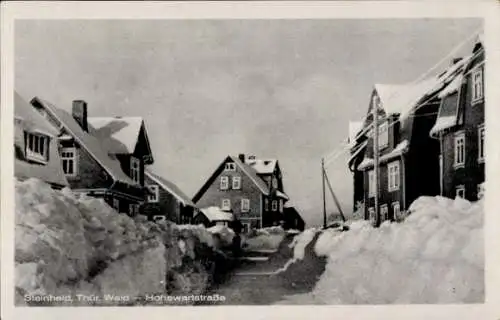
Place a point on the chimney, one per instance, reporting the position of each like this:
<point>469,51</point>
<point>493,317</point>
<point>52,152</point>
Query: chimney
<point>79,113</point>
<point>242,157</point>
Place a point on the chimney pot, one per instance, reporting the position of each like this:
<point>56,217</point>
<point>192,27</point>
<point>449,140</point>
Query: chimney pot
<point>79,113</point>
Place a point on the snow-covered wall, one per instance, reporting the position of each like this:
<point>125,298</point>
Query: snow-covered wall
<point>69,245</point>
<point>434,256</point>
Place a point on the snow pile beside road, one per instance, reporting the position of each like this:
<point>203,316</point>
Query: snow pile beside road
<point>68,244</point>
<point>223,234</point>
<point>266,239</point>
<point>434,256</point>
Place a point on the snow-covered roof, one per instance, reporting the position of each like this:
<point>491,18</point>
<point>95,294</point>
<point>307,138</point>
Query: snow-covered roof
<point>252,174</point>
<point>32,121</point>
<point>282,195</point>
<point>262,166</point>
<point>216,214</point>
<point>402,98</point>
<point>171,188</point>
<point>400,149</point>
<point>89,142</point>
<point>452,87</point>
<point>354,128</point>
<point>117,134</point>
<point>443,123</point>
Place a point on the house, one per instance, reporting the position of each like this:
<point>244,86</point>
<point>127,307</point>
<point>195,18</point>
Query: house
<point>251,188</point>
<point>167,201</point>
<point>101,161</point>
<point>212,216</point>
<point>355,148</point>
<point>459,130</point>
<point>35,146</point>
<point>293,219</point>
<point>408,157</point>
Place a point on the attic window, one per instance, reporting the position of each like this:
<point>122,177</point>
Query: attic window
<point>37,146</point>
<point>230,166</point>
<point>266,162</point>
<point>155,193</point>
<point>135,169</point>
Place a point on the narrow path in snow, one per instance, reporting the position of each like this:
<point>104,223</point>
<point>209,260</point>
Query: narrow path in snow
<point>258,283</point>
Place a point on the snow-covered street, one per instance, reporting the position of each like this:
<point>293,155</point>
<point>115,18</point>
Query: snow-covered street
<point>68,244</point>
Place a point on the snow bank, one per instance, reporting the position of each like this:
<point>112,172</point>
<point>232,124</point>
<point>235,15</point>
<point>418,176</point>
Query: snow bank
<point>434,256</point>
<point>68,244</point>
<point>265,239</point>
<point>223,234</point>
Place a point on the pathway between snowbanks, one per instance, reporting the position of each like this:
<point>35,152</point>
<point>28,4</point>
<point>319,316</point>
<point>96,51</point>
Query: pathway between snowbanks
<point>434,256</point>
<point>76,250</point>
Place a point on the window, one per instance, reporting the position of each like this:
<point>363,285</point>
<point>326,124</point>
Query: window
<point>371,183</point>
<point>393,176</point>
<point>245,205</point>
<point>245,227</point>
<point>371,213</point>
<point>68,159</point>
<point>396,209</point>
<point>37,147</point>
<point>384,213</point>
<point>281,205</point>
<point>226,204</point>
<point>116,204</point>
<point>274,182</point>
<point>133,209</point>
<point>236,183</point>
<point>154,196</point>
<point>480,156</point>
<point>460,191</point>
<point>477,84</point>
<point>383,138</point>
<point>135,169</point>
<point>480,191</point>
<point>275,205</point>
<point>159,218</point>
<point>460,149</point>
<point>230,166</point>
<point>266,204</point>
<point>224,183</point>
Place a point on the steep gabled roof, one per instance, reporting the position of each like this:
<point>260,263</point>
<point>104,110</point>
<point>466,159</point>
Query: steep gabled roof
<point>262,166</point>
<point>248,170</point>
<point>87,141</point>
<point>119,135</point>
<point>252,174</point>
<point>354,128</point>
<point>31,121</point>
<point>402,98</point>
<point>171,188</point>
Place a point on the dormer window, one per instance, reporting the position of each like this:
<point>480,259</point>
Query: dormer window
<point>274,183</point>
<point>477,85</point>
<point>135,169</point>
<point>230,166</point>
<point>37,146</point>
<point>68,159</point>
<point>383,138</point>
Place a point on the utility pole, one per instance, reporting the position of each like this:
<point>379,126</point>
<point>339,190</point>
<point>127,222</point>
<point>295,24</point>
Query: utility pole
<point>324,198</point>
<point>337,203</point>
<point>376,158</point>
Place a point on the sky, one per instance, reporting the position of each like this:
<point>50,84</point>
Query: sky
<point>283,89</point>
